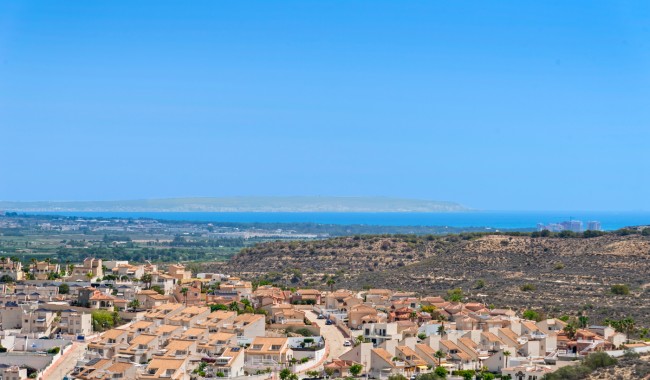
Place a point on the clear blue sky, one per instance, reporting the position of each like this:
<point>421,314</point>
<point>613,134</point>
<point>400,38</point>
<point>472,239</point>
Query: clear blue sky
<point>518,105</point>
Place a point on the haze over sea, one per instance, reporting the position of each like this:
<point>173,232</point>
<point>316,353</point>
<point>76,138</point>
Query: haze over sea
<point>493,219</point>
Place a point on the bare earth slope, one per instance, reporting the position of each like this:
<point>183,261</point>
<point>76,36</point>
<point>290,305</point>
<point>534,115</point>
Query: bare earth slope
<point>570,275</point>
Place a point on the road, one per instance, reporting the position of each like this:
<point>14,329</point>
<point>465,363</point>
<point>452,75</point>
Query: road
<point>333,336</point>
<point>66,363</point>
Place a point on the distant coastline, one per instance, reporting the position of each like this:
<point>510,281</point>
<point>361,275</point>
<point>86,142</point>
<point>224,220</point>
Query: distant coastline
<point>486,220</point>
<point>241,204</point>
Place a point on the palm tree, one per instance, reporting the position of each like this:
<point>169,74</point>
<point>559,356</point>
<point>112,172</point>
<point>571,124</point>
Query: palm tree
<point>33,262</point>
<point>441,330</point>
<point>439,355</point>
<point>147,279</point>
<point>583,321</point>
<point>330,283</point>
<point>506,354</point>
<point>627,324</point>
<point>184,292</point>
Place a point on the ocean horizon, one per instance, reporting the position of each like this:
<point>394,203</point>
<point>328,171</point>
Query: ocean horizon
<point>489,219</point>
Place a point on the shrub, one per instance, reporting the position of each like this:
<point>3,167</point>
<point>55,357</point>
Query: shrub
<point>441,371</point>
<point>64,289</point>
<point>598,360</point>
<point>528,288</point>
<point>532,315</point>
<point>355,370</point>
<point>455,295</point>
<point>620,289</point>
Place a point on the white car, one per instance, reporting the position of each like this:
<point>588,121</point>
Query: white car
<point>347,343</point>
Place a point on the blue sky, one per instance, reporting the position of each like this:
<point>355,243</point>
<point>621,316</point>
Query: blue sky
<point>505,105</point>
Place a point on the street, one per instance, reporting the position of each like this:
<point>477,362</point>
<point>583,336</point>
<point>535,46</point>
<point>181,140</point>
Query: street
<point>66,363</point>
<point>333,336</point>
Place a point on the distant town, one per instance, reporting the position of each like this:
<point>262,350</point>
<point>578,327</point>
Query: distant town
<point>570,225</point>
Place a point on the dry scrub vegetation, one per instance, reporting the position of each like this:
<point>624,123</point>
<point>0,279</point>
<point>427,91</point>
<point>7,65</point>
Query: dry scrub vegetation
<point>555,275</point>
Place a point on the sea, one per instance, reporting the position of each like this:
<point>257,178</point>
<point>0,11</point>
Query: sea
<point>492,219</point>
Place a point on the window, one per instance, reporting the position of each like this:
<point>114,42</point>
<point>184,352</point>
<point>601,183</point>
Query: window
<point>276,347</point>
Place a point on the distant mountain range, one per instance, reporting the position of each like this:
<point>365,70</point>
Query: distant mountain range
<point>242,204</point>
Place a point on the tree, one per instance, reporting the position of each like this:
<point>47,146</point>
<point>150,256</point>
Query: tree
<point>441,372</point>
<point>184,293</point>
<point>330,282</point>
<point>570,330</point>
<point>441,330</point>
<point>455,295</point>
<point>439,355</point>
<point>583,321</point>
<point>218,306</point>
<point>134,304</point>
<point>146,279</point>
<point>102,320</point>
<point>506,354</point>
<point>158,289</point>
<point>285,373</point>
<point>64,289</point>
<point>329,371</point>
<point>355,369</point>
<point>6,279</point>
<point>532,315</point>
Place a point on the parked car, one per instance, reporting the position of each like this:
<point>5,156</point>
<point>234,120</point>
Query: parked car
<point>347,343</point>
<point>321,316</point>
<point>328,322</point>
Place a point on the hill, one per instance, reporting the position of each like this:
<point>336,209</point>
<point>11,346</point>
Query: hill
<point>558,275</point>
<point>243,204</point>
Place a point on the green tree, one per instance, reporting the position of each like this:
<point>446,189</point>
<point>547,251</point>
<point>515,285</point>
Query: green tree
<point>158,289</point>
<point>583,321</point>
<point>146,279</point>
<point>6,279</point>
<point>102,320</point>
<point>64,289</point>
<point>330,282</point>
<point>507,354</point>
<point>355,369</point>
<point>134,304</point>
<point>439,355</point>
<point>532,315</point>
<point>184,293</point>
<point>455,295</point>
<point>441,371</point>
<point>285,373</point>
